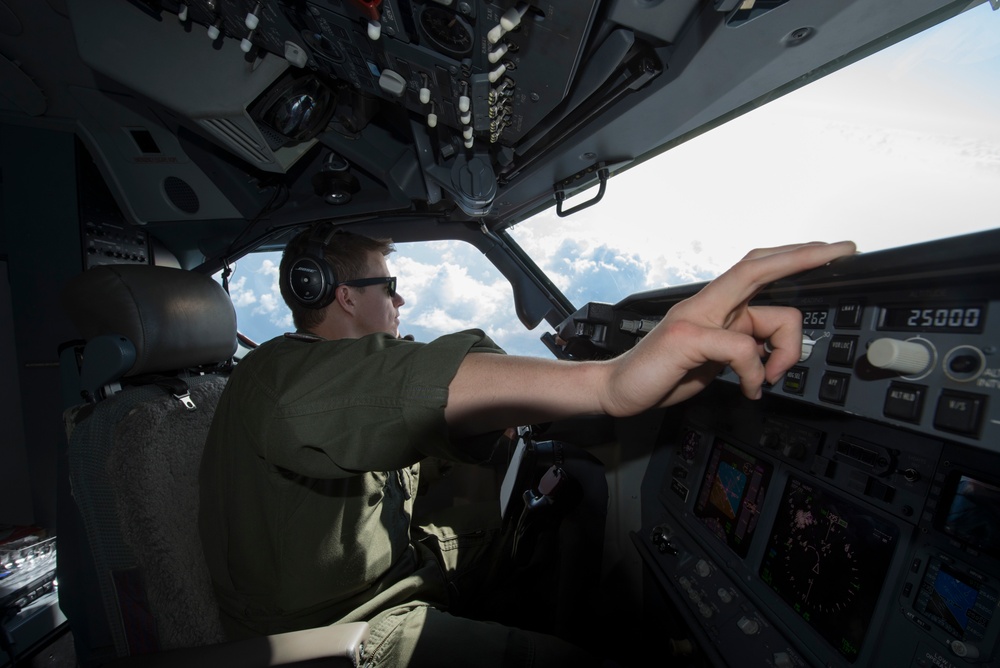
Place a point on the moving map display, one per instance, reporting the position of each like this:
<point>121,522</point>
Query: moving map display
<point>827,558</point>
<point>731,495</point>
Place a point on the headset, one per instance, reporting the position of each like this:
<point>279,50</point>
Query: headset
<point>311,278</point>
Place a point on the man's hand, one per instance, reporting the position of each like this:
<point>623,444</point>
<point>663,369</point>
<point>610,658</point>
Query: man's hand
<point>718,327</point>
<point>677,359</point>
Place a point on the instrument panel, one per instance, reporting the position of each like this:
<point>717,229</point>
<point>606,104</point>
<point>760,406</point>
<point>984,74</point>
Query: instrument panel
<point>851,517</point>
<point>474,84</point>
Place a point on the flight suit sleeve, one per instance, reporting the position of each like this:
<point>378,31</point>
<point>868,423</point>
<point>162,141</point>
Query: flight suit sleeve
<point>370,404</point>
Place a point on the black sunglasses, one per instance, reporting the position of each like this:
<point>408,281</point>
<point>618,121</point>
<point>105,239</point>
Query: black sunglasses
<point>390,283</point>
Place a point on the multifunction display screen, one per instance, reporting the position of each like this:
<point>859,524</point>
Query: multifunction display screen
<point>827,558</point>
<point>956,602</point>
<point>731,495</point>
<point>972,513</point>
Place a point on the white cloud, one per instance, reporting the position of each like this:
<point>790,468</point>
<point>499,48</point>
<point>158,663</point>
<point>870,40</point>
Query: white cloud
<point>270,298</point>
<point>444,289</point>
<point>240,294</point>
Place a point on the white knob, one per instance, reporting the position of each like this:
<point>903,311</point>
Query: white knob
<point>807,348</point>
<point>464,103</point>
<point>214,32</point>
<point>703,568</point>
<point>469,142</point>
<point>964,650</point>
<point>466,118</point>
<point>749,626</point>
<point>246,45</point>
<point>182,13</point>
<point>905,357</point>
<point>511,18</point>
<point>495,33</point>
<point>467,132</point>
<point>497,53</point>
<point>374,30</point>
<point>432,120</point>
<point>497,73</point>
<point>295,55</point>
<point>251,21</point>
<point>425,95</point>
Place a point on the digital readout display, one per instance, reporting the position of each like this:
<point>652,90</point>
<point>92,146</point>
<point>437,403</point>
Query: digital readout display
<point>814,316</point>
<point>960,318</point>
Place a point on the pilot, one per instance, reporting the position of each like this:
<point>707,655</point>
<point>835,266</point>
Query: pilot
<point>310,469</point>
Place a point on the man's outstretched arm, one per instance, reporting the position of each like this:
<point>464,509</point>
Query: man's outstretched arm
<point>676,360</point>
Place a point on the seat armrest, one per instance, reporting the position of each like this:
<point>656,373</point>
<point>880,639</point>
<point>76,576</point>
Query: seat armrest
<point>337,645</point>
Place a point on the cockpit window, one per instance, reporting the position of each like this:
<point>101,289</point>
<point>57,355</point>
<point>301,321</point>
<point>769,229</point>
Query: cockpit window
<point>448,286</point>
<point>898,148</point>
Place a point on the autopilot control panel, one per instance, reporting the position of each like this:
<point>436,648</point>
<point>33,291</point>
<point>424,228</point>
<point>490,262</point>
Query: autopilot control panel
<point>851,517</point>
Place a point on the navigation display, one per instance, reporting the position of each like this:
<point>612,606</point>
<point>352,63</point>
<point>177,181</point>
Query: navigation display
<point>827,558</point>
<point>956,602</point>
<point>731,495</point>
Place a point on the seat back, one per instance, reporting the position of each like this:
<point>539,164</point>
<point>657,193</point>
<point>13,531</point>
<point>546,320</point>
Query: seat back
<point>157,343</point>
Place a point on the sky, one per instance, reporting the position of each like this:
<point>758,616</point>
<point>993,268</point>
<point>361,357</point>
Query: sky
<point>901,147</point>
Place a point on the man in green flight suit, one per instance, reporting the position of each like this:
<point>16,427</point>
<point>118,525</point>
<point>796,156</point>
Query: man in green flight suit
<point>309,473</point>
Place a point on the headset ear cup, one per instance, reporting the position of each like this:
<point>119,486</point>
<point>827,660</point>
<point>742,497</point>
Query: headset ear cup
<point>311,278</point>
<point>311,282</point>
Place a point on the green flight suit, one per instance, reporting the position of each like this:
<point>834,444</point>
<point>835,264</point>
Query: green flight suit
<point>307,488</point>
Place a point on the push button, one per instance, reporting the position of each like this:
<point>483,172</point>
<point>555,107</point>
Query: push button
<point>842,350</point>
<point>795,380</point>
<point>848,315</point>
<point>959,412</point>
<point>904,401</point>
<point>833,387</point>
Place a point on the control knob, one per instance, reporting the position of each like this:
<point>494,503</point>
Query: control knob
<point>964,650</point>
<point>215,30</point>
<point>807,347</point>
<point>660,537</point>
<point>252,19</point>
<point>749,626</point>
<point>905,357</point>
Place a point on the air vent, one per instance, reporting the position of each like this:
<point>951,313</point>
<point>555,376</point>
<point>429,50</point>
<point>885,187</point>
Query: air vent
<point>238,139</point>
<point>181,195</point>
<point>144,141</point>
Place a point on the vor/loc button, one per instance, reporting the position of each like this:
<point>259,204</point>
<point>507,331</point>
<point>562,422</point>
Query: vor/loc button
<point>909,358</point>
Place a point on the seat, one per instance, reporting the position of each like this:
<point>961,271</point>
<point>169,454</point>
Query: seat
<point>157,344</point>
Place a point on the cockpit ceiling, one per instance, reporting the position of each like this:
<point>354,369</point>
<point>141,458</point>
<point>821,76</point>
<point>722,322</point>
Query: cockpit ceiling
<point>465,111</point>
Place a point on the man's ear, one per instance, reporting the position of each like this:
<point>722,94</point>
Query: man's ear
<point>343,296</point>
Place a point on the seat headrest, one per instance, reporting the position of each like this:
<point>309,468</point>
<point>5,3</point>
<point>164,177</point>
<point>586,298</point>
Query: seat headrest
<point>176,319</point>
